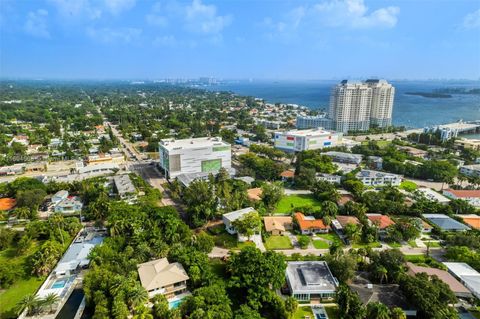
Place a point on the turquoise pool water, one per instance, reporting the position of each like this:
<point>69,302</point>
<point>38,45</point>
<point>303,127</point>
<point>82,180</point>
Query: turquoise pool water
<point>59,284</point>
<point>174,304</point>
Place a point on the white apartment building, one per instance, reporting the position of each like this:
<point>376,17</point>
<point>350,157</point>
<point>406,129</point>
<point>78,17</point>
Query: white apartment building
<point>354,106</point>
<point>306,122</point>
<point>382,102</point>
<point>377,178</point>
<point>470,170</point>
<point>194,155</point>
<point>302,140</point>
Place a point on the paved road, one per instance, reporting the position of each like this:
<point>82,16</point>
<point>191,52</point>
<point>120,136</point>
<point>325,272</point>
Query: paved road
<point>437,253</point>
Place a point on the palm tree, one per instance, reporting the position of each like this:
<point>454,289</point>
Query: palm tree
<point>397,313</point>
<point>329,208</point>
<point>22,212</point>
<point>50,300</point>
<point>142,312</point>
<point>30,303</point>
<point>381,273</point>
<point>377,310</point>
<point>136,296</point>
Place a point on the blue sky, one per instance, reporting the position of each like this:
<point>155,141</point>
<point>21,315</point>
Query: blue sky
<point>317,39</point>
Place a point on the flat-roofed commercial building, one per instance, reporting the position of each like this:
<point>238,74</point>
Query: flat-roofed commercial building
<point>309,280</point>
<point>195,155</point>
<point>302,140</point>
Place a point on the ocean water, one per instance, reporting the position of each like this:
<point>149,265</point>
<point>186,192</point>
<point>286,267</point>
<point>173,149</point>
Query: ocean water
<point>409,110</point>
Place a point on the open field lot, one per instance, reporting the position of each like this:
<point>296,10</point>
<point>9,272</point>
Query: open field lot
<point>288,203</point>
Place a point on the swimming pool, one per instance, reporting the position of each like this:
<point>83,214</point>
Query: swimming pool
<point>60,283</point>
<point>174,303</point>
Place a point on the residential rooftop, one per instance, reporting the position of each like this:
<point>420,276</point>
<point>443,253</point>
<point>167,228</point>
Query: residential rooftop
<point>310,277</point>
<point>7,204</point>
<point>464,193</point>
<point>472,220</point>
<point>232,216</point>
<point>160,273</point>
<point>454,284</point>
<point>382,221</point>
<point>445,223</point>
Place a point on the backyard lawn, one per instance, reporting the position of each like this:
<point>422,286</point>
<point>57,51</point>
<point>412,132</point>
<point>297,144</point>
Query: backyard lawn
<point>302,312</point>
<point>17,291</point>
<point>225,240</point>
<point>278,242</point>
<point>332,312</point>
<point>288,203</point>
<point>27,285</point>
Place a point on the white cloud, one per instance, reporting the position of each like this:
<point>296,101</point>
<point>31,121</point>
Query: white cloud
<point>156,18</point>
<point>108,35</point>
<point>472,20</point>
<point>36,24</point>
<point>118,6</point>
<point>91,9</point>
<point>202,18</point>
<point>354,14</point>
<point>76,9</point>
<point>166,40</point>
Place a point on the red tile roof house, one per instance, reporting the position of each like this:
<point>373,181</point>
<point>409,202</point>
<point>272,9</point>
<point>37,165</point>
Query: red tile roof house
<point>381,221</point>
<point>471,196</point>
<point>310,225</point>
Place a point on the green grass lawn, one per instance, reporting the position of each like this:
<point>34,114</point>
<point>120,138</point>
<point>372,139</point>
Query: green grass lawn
<point>278,242</point>
<point>23,286</point>
<point>415,258</point>
<point>225,240</point>
<point>302,312</point>
<point>412,243</point>
<point>332,312</point>
<point>395,245</point>
<point>433,244</point>
<point>219,267</point>
<point>320,244</point>
<point>288,203</point>
<point>17,291</point>
<point>331,237</point>
<point>475,313</point>
<point>408,186</point>
<point>371,245</point>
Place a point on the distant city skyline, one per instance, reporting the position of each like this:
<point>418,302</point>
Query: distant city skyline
<point>278,40</point>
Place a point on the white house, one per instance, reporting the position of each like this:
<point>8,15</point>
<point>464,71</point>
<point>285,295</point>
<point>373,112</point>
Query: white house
<point>69,205</point>
<point>377,178</point>
<point>471,196</point>
<point>59,196</point>
<point>229,218</point>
